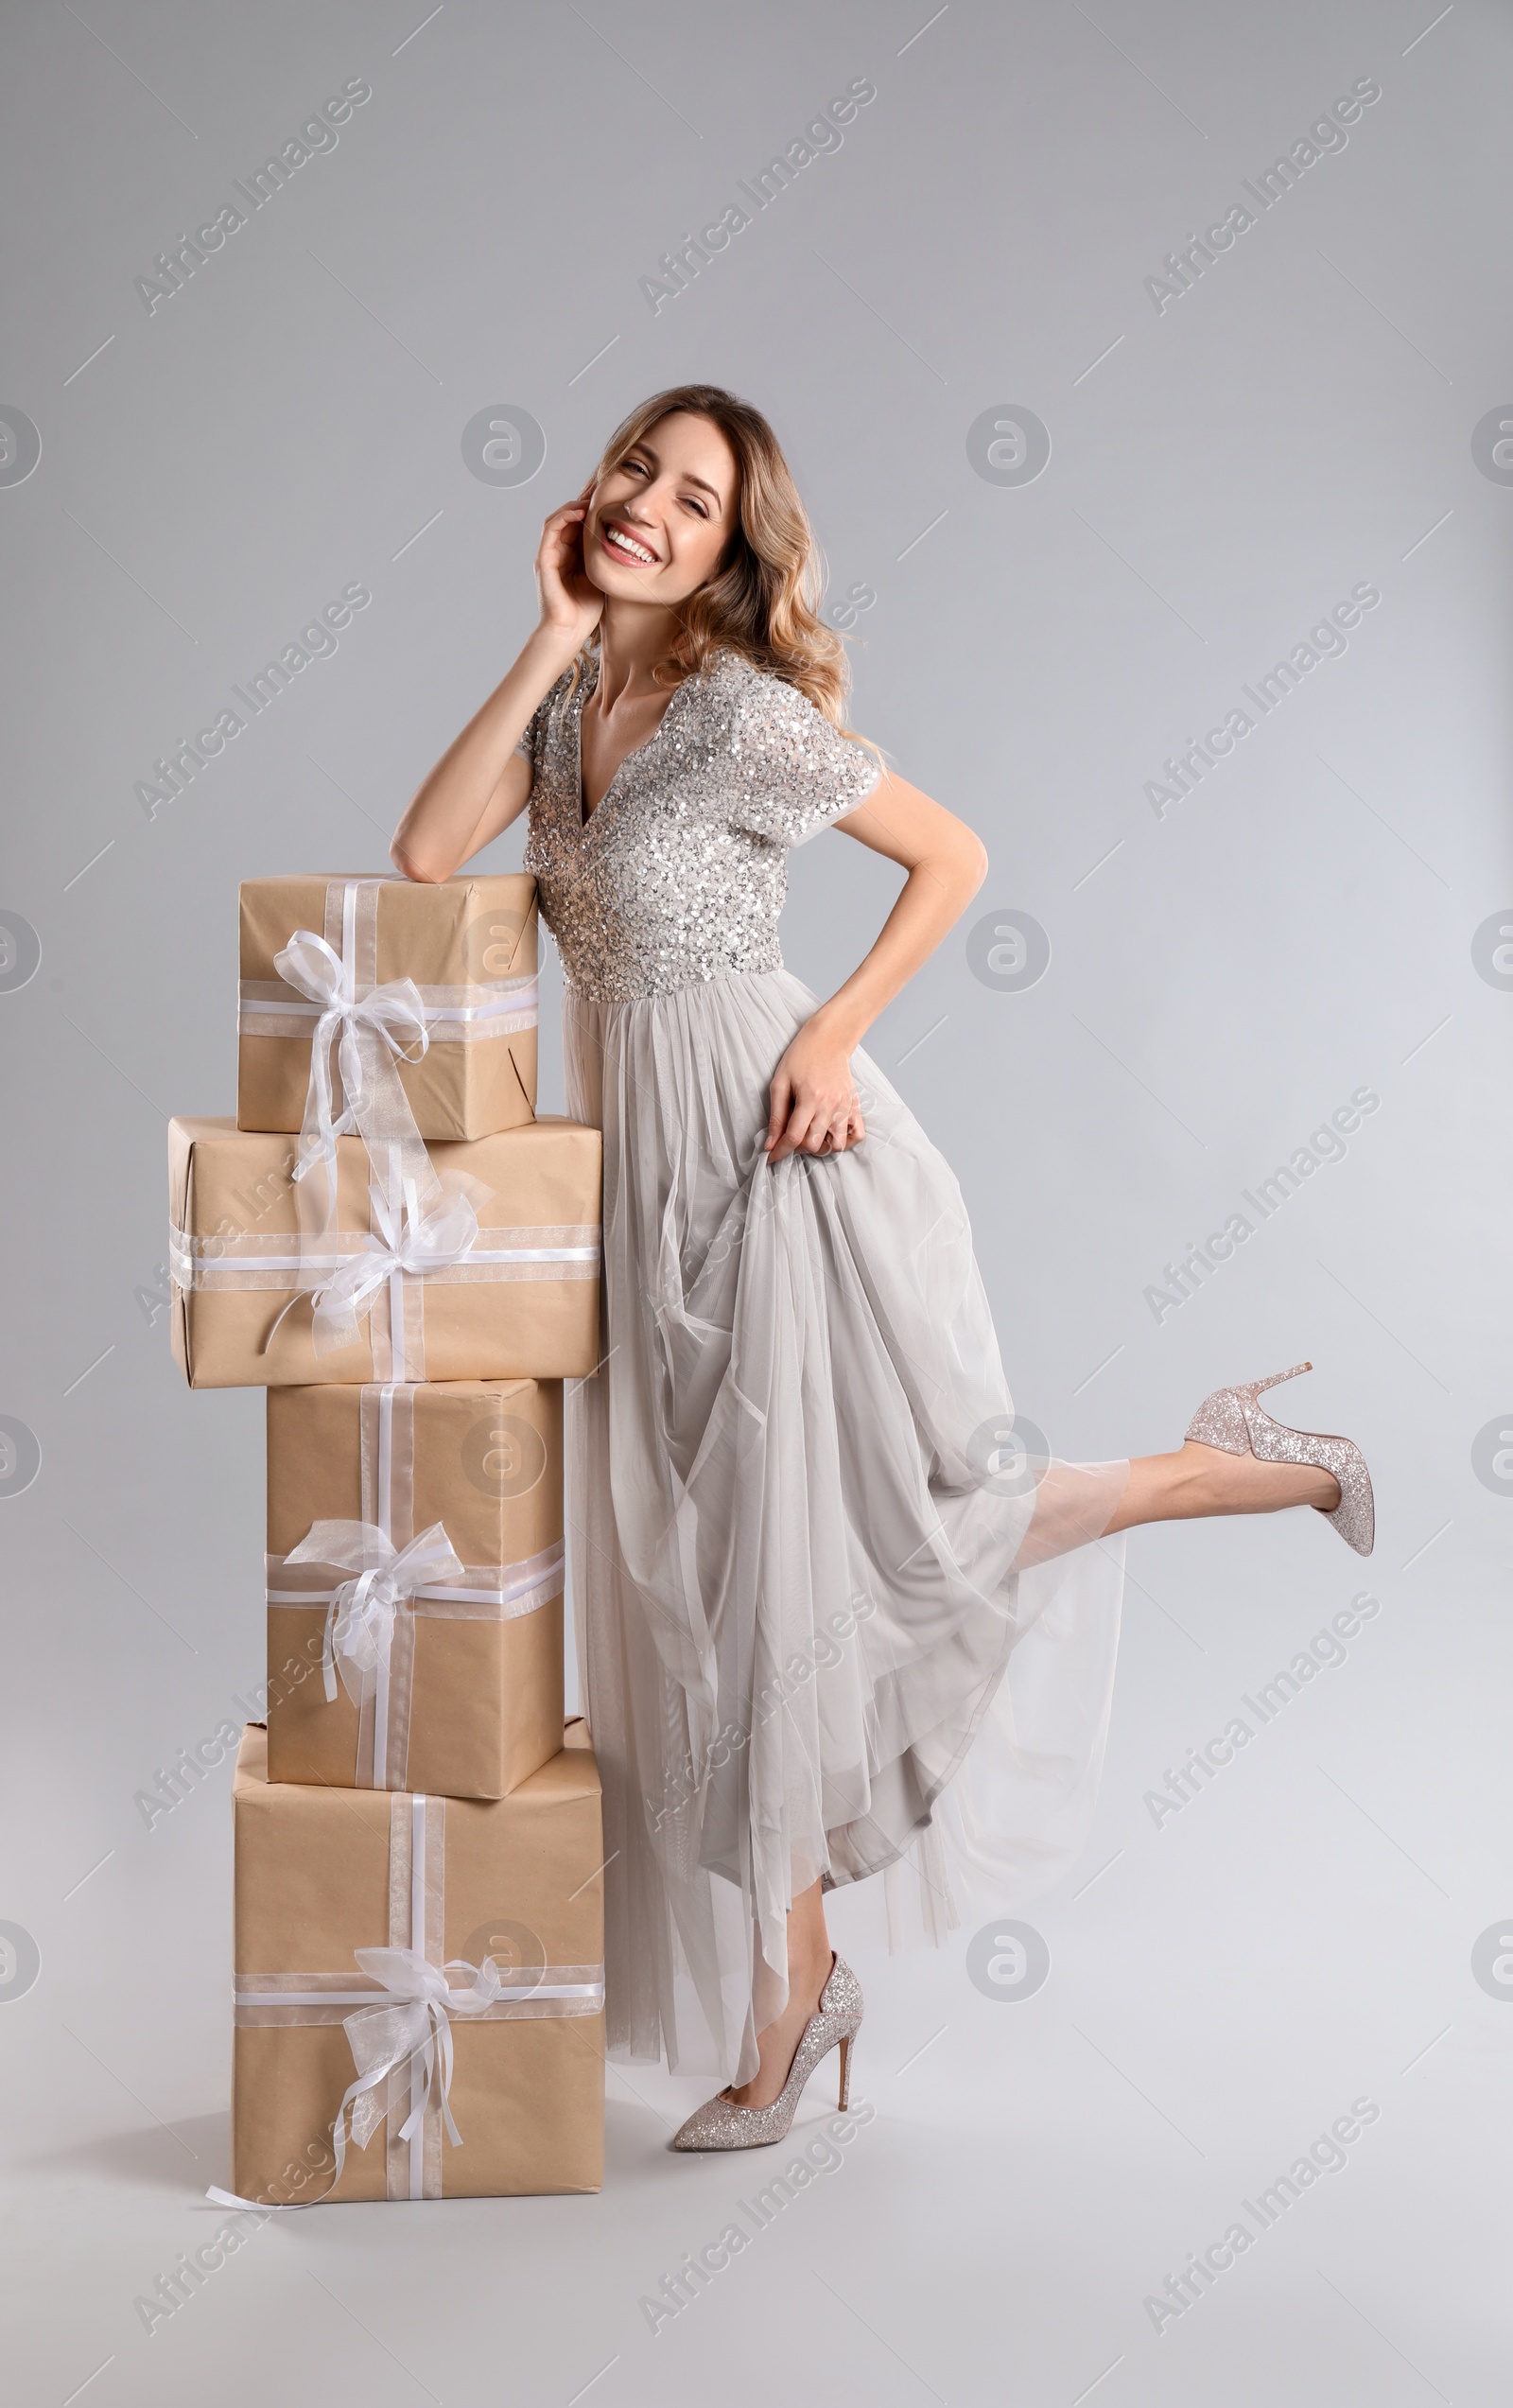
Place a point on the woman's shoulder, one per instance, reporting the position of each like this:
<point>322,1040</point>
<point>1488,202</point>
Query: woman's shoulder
<point>790,767</point>
<point>753,697</point>
<point>738,673</point>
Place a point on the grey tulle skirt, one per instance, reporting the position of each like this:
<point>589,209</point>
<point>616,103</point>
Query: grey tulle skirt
<point>830,1625</point>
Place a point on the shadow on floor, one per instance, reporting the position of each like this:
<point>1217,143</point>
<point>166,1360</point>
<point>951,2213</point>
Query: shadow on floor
<point>188,2156</point>
<point>185,2156</point>
<point>194,2152</point>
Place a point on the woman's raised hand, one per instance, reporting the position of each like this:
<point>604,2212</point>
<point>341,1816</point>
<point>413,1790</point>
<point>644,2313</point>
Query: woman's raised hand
<point>570,603</point>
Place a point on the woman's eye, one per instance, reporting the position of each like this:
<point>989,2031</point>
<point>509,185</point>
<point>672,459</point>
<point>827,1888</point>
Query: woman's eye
<point>692,504</point>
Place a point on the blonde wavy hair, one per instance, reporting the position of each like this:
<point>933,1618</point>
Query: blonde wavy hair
<point>763,600</point>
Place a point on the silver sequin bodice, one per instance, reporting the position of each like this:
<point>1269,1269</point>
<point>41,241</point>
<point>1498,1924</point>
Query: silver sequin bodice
<point>680,873</point>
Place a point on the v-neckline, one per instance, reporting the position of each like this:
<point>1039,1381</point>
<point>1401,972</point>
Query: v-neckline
<point>587,818</point>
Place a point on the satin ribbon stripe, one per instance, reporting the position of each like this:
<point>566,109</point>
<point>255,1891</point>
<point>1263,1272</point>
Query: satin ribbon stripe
<point>563,1251</point>
<point>349,1272</point>
<point>451,1014</point>
<point>522,1992</point>
<point>499,1593</point>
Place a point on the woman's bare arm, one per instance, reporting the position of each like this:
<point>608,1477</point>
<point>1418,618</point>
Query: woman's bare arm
<point>481,783</point>
<point>813,1095</point>
<point>947,862</point>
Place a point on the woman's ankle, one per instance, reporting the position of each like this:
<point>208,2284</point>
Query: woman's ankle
<point>813,1973</point>
<point>1215,1482</point>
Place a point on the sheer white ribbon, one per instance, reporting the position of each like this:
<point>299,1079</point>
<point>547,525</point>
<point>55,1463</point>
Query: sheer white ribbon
<point>371,1036</point>
<point>359,1622</point>
<point>404,1241</point>
<point>414,2029</point>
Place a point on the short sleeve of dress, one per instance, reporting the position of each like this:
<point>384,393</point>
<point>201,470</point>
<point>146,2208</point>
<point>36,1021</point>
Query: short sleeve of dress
<point>533,735</point>
<point>793,772</point>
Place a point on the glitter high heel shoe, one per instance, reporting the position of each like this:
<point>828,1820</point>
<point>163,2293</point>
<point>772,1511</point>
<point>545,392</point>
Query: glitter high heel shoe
<point>721,2124</point>
<point>1231,1419</point>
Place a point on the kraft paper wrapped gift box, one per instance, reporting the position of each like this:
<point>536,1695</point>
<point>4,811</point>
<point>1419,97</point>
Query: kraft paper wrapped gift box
<point>446,1674</point>
<point>425,1882</point>
<point>470,947</point>
<point>518,1300</point>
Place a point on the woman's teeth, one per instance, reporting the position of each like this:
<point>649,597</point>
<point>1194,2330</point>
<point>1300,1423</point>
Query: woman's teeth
<point>625,544</point>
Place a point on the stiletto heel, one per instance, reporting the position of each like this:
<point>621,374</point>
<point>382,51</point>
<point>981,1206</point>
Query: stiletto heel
<point>721,2124</point>
<point>1233,1421</point>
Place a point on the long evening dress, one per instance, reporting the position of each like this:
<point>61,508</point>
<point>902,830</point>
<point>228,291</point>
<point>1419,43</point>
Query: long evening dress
<point>829,1623</point>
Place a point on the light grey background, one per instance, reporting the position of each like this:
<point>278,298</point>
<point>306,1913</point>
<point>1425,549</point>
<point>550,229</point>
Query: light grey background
<point>1223,472</point>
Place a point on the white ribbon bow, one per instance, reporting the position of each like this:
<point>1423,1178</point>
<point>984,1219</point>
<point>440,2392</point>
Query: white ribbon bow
<point>403,1241</point>
<point>414,2027</point>
<point>360,1623</point>
<point>370,1036</point>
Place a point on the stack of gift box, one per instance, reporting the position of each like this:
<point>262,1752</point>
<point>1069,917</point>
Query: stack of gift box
<point>391,1243</point>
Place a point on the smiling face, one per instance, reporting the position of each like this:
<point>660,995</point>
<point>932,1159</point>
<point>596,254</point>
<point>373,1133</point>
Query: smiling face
<point>660,520</point>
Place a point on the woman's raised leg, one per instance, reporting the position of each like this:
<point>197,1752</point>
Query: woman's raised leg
<point>1198,1480</point>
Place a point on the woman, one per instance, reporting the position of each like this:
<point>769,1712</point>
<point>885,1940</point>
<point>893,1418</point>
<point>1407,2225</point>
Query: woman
<point>802,1569</point>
